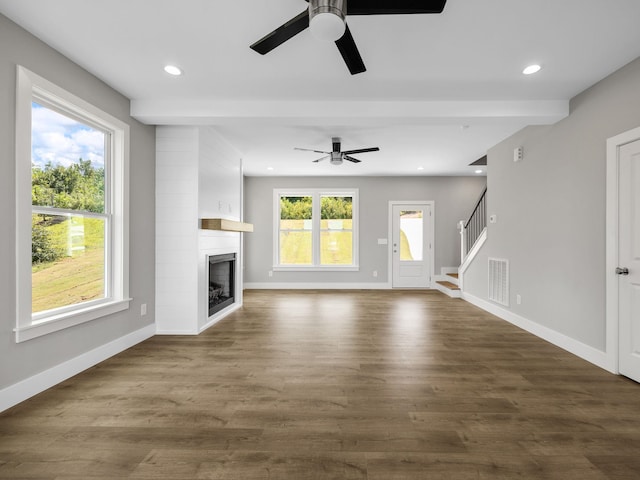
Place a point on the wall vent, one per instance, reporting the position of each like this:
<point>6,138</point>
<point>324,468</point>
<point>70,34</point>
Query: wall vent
<point>499,281</point>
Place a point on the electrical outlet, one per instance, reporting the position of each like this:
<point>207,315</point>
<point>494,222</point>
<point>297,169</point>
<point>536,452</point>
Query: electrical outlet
<point>518,299</point>
<point>143,309</point>
<point>518,154</point>
<point>375,273</point>
<point>270,273</point>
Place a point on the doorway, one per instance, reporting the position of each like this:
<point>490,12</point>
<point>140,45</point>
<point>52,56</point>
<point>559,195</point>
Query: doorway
<point>411,250</point>
<point>623,253</point>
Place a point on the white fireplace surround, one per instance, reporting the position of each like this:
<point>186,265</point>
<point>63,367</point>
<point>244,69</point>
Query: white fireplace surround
<point>198,175</point>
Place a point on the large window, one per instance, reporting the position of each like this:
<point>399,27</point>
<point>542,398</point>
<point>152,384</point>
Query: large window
<point>71,161</point>
<point>316,229</point>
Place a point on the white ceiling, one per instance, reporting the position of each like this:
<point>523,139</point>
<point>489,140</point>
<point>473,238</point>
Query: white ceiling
<point>439,91</point>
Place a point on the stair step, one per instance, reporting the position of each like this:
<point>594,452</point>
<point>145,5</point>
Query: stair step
<point>449,285</point>
<point>454,275</point>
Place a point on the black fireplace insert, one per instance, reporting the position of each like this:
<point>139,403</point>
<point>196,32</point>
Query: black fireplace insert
<point>222,281</point>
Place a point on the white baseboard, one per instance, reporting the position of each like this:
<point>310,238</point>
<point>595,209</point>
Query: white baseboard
<point>316,286</point>
<point>177,332</point>
<point>31,386</point>
<point>586,352</point>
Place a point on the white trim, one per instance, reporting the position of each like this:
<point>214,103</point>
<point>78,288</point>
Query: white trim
<point>431,238</point>
<point>586,352</point>
<point>612,198</point>
<point>27,388</point>
<point>69,319</point>
<point>316,286</point>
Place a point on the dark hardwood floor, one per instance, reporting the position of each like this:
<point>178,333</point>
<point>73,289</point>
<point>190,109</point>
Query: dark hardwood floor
<point>377,385</point>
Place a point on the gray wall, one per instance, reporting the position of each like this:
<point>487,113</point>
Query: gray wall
<point>551,211</point>
<point>454,199</point>
<point>20,361</point>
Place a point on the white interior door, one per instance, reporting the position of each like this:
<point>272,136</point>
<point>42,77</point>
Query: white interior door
<point>411,245</point>
<point>629,260</point>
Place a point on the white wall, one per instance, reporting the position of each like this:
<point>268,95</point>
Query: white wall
<point>454,199</point>
<point>198,175</point>
<point>551,215</point>
<point>28,367</point>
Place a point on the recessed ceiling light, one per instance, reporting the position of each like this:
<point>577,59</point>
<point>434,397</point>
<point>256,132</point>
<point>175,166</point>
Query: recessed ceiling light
<point>172,70</point>
<point>270,169</point>
<point>478,171</point>
<point>420,168</point>
<point>531,69</point>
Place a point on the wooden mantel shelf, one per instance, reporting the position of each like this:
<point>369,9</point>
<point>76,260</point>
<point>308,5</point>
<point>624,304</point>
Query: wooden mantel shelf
<point>225,225</point>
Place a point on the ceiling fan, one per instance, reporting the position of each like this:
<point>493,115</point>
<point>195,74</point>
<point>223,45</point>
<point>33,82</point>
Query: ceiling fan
<point>327,19</point>
<point>337,156</point>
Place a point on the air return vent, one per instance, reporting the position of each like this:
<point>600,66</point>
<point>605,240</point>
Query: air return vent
<point>499,281</point>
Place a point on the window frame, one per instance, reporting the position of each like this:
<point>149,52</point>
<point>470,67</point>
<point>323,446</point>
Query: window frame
<point>316,194</point>
<point>31,87</point>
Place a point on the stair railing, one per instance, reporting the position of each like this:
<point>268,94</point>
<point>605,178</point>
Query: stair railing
<point>471,230</point>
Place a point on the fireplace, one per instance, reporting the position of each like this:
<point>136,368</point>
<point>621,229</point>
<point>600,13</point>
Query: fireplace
<point>222,281</point>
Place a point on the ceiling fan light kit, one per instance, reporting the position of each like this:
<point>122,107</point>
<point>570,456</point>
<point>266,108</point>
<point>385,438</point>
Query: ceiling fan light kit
<point>327,19</point>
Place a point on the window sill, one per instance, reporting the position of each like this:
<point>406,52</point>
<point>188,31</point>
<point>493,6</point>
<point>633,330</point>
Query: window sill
<point>55,323</point>
<point>310,268</point>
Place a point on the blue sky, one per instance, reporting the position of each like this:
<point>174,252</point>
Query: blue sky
<point>62,140</point>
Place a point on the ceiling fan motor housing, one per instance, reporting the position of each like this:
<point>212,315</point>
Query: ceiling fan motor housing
<point>327,18</point>
<point>337,7</point>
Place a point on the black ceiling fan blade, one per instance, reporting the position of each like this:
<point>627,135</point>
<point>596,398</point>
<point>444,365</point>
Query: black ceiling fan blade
<point>362,150</point>
<point>393,7</point>
<point>351,159</point>
<point>282,34</point>
<point>349,52</point>
<point>481,162</point>
<point>320,159</point>
<point>310,150</point>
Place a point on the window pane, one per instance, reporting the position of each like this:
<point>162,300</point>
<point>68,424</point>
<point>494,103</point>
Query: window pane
<point>411,232</point>
<point>336,207</point>
<point>296,208</point>
<point>336,230</point>
<point>295,248</point>
<point>67,162</point>
<point>67,260</point>
<point>295,230</point>
<point>336,247</point>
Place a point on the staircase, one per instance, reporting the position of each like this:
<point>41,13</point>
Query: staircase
<point>449,284</point>
<point>473,234</point>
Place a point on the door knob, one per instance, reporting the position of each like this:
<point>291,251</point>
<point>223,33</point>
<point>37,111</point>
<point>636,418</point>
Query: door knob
<point>622,271</point>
